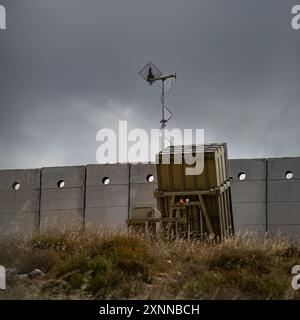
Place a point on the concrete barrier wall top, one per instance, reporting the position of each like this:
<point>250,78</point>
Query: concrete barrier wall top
<point>116,173</point>
<point>26,198</point>
<point>255,169</point>
<point>248,195</point>
<point>139,173</point>
<point>284,196</point>
<point>281,189</point>
<point>278,167</point>
<point>257,203</point>
<point>110,193</point>
<point>28,179</point>
<point>107,196</point>
<point>143,182</point>
<point>19,201</point>
<point>67,196</point>
<point>74,177</point>
<point>62,197</point>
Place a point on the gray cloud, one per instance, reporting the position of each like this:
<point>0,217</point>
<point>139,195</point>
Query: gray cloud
<point>69,68</point>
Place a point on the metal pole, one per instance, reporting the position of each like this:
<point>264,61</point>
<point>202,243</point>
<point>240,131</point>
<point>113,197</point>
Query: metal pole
<point>163,121</point>
<point>163,102</point>
<point>163,112</point>
<point>187,201</point>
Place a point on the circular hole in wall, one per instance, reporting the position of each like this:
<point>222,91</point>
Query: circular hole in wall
<point>150,177</point>
<point>16,186</point>
<point>289,175</point>
<point>60,184</point>
<point>106,181</point>
<point>242,176</point>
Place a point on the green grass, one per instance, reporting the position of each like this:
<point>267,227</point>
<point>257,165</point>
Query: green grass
<point>132,266</point>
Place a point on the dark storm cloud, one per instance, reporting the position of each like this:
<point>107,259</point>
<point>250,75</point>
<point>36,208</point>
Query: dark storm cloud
<point>69,68</point>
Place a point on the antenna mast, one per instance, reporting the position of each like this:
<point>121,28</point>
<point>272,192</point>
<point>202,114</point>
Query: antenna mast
<point>152,74</point>
<point>164,121</point>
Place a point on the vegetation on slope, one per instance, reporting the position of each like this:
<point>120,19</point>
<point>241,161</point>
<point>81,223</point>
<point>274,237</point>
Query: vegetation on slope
<point>131,266</point>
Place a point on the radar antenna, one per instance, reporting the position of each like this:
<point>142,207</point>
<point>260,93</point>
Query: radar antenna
<point>151,74</point>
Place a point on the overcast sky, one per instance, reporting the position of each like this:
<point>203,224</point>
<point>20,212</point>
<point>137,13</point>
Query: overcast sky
<point>69,68</point>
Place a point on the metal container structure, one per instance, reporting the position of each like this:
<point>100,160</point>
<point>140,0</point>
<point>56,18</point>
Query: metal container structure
<point>196,205</point>
<point>145,219</point>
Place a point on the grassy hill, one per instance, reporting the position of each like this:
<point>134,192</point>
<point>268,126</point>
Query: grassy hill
<point>131,266</point>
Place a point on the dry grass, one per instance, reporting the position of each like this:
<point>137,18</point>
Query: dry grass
<point>131,266</point>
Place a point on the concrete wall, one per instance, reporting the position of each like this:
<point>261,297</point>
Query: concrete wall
<point>107,205</point>
<point>141,190</point>
<point>249,195</point>
<point>283,209</point>
<point>264,201</point>
<point>19,209</point>
<point>62,207</point>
